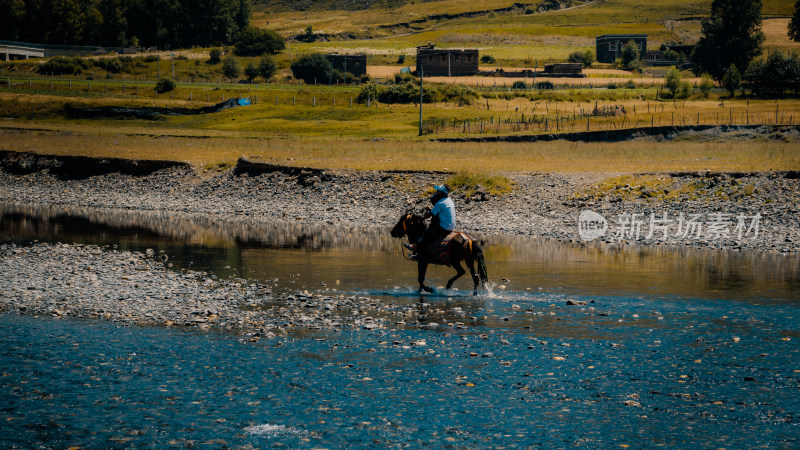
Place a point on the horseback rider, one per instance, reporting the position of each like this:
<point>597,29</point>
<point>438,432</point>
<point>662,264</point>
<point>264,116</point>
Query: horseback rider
<point>442,223</point>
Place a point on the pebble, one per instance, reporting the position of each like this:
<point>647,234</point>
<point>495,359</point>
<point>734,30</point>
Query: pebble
<point>136,289</point>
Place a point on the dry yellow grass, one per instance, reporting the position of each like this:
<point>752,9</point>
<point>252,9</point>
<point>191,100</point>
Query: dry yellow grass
<point>483,158</point>
<point>776,33</point>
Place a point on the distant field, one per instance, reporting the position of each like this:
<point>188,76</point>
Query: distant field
<point>331,153</point>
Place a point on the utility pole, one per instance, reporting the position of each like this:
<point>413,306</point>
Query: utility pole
<point>173,66</point>
<point>421,72</point>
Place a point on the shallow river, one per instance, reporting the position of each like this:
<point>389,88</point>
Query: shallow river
<point>675,348</point>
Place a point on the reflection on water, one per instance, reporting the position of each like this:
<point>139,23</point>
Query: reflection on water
<point>336,259</point>
<point>653,359</point>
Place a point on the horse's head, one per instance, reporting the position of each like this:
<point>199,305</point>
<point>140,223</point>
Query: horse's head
<point>409,224</point>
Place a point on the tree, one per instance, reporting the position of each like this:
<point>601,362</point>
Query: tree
<point>254,41</point>
<point>214,56</point>
<point>775,73</point>
<point>794,24</point>
<point>231,68</point>
<point>266,67</point>
<point>730,35</point>
<point>312,68</point>
<point>250,72</point>
<point>630,53</point>
<point>732,79</point>
<point>12,13</point>
<point>673,81</point>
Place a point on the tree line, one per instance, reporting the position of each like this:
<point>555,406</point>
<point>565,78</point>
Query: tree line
<point>163,24</point>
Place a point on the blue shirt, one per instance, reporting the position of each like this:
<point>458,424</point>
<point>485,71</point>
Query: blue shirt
<point>446,211</point>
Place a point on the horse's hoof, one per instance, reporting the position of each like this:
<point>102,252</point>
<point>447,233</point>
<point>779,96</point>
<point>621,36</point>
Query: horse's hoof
<point>427,289</point>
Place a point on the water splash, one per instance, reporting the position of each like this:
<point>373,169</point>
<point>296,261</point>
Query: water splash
<point>271,430</point>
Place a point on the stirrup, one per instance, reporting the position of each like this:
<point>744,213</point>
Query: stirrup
<point>413,257</point>
<point>407,246</point>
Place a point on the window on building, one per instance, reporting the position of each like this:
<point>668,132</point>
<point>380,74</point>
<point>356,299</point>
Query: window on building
<point>612,46</point>
<point>358,64</point>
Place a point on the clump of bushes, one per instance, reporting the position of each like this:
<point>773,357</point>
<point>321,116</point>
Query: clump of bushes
<point>488,59</point>
<point>586,58</point>
<point>312,68</point>
<point>165,85</point>
<point>774,74</point>
<point>409,93</point>
<point>544,85</point>
<point>254,41</point>
<point>519,85</point>
<point>64,64</point>
<point>676,87</point>
<point>116,65</point>
<point>215,56</point>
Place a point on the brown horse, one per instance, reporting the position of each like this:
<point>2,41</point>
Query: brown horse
<point>460,248</point>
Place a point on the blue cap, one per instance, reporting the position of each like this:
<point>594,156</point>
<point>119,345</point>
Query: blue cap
<point>441,188</point>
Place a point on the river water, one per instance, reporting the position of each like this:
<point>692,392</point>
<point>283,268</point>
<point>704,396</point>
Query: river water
<point>674,347</point>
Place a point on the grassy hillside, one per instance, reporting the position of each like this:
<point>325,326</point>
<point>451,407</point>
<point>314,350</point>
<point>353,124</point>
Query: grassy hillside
<point>513,34</point>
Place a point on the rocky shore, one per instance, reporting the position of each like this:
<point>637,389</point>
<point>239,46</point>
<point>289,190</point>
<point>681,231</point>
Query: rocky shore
<point>717,210</point>
<point>131,288</point>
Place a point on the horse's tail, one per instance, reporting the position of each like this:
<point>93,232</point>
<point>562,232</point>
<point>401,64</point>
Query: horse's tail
<point>482,273</point>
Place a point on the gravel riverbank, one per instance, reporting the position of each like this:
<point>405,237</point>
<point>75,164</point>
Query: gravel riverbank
<point>133,288</point>
<point>731,211</point>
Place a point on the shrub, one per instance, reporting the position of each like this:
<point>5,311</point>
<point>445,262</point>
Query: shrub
<point>63,64</point>
<point>400,78</point>
<point>401,59</point>
<point>630,85</point>
<point>312,67</point>
<point>254,41</point>
<point>685,90</point>
<point>151,58</point>
<point>215,56</point>
<point>542,85</point>
<point>488,59</point>
<point>519,85</point>
<point>165,85</point>
<point>586,58</point>
<point>706,85</point>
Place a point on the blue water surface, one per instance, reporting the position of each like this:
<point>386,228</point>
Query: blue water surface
<point>700,373</point>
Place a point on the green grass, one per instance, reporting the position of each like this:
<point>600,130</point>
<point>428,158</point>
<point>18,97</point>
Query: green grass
<point>469,183</point>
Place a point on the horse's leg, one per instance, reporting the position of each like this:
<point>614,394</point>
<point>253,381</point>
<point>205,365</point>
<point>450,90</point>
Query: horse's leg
<point>422,268</point>
<point>459,271</point>
<point>470,260</point>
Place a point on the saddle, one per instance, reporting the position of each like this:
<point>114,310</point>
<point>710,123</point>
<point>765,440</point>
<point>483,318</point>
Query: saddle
<point>439,251</point>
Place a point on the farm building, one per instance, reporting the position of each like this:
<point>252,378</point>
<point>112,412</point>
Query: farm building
<point>564,70</point>
<point>446,62</point>
<point>355,64</point>
<point>609,46</point>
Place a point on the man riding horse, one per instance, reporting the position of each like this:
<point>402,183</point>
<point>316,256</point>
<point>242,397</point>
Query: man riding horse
<point>443,219</point>
<point>439,244</point>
